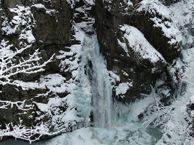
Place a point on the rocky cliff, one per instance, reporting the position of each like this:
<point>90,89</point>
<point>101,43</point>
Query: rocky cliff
<point>140,42</point>
<point>47,68</point>
<point>33,34</point>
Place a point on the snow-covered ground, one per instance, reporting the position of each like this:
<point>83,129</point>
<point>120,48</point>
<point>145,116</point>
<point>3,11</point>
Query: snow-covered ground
<point>128,131</point>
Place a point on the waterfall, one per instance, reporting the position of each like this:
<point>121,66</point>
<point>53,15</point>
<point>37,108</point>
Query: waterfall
<point>100,84</point>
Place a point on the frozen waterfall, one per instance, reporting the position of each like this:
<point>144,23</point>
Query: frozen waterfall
<point>100,84</point>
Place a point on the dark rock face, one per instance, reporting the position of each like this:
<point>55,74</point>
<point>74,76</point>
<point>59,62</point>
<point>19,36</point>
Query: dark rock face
<point>36,31</point>
<point>155,36</point>
<point>11,3</point>
<point>132,67</point>
<point>192,29</point>
<point>53,22</point>
<point>169,2</point>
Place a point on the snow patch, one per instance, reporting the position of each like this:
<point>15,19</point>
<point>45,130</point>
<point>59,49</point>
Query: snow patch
<point>123,88</point>
<point>137,42</point>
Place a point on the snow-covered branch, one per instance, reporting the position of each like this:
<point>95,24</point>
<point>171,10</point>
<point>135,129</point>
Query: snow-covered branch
<point>10,66</point>
<point>157,113</point>
<point>19,104</point>
<point>21,132</point>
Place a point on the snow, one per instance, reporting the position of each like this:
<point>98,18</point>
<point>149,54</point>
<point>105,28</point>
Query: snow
<point>128,132</point>
<point>192,114</point>
<point>123,88</point>
<point>42,107</point>
<point>129,3</point>
<point>90,2</point>
<point>23,17</point>
<point>54,82</point>
<point>89,136</point>
<point>28,36</point>
<point>11,68</point>
<point>115,77</point>
<point>138,43</point>
<point>39,6</point>
<point>155,7</point>
<point>73,2</point>
<point>48,11</point>
<point>192,99</point>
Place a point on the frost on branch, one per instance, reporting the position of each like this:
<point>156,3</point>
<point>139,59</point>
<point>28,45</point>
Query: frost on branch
<point>173,120</point>
<point>12,61</point>
<point>10,66</point>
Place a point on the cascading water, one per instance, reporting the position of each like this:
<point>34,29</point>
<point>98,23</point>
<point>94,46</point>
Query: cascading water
<point>101,87</point>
